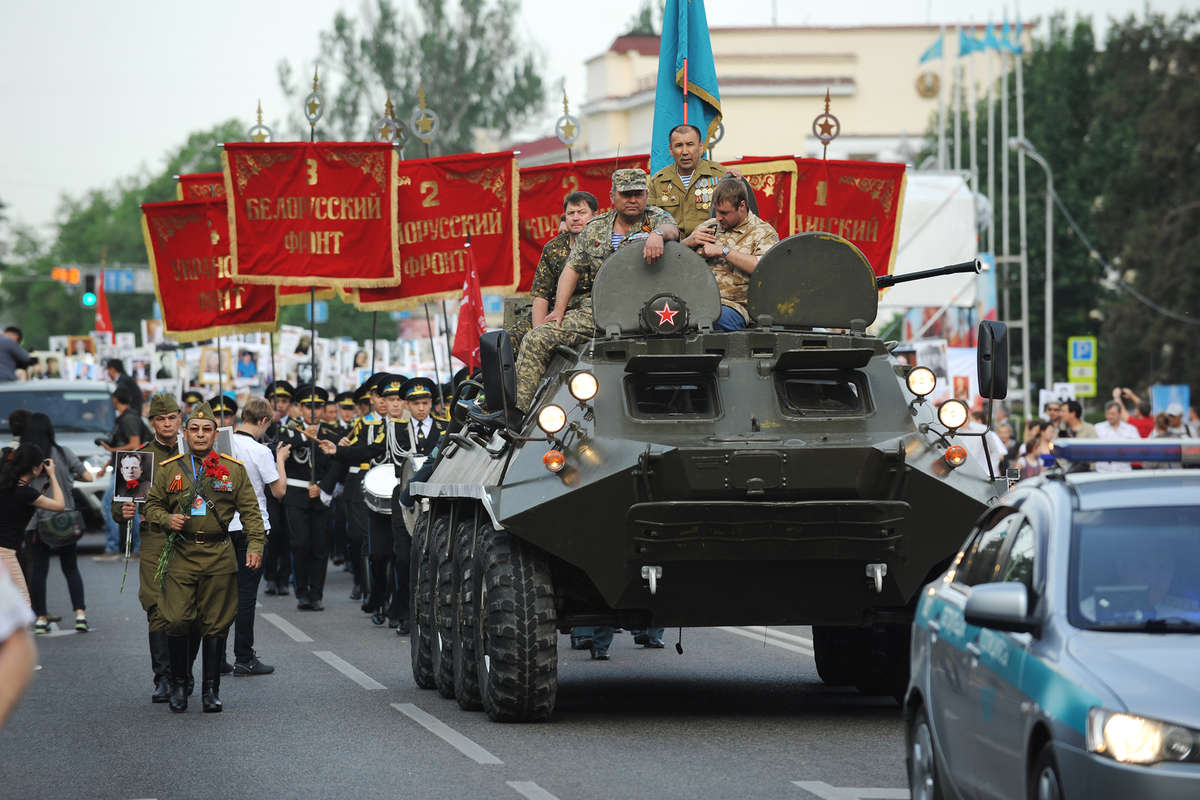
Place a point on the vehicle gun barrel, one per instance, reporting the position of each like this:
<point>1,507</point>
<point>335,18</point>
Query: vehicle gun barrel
<point>974,265</point>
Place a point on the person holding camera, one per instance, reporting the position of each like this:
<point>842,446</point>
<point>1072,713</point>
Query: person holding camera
<point>12,356</point>
<point>18,501</point>
<point>128,434</point>
<point>55,532</point>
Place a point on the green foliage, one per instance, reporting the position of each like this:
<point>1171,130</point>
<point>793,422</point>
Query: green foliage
<point>1117,126</point>
<point>647,21</point>
<point>466,55</point>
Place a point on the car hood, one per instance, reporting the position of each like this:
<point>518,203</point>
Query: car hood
<point>1153,675</point>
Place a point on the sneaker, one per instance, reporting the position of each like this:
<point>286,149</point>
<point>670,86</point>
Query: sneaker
<point>654,644</point>
<point>41,627</point>
<point>599,653</point>
<point>251,667</point>
<point>107,557</point>
<point>81,625</point>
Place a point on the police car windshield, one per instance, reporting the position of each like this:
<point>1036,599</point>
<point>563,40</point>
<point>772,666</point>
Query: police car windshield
<point>1136,569</point>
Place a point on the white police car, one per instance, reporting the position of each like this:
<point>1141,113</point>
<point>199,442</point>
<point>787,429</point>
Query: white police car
<point>1059,656</point>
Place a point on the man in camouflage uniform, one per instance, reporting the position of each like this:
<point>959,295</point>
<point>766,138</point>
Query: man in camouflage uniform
<point>732,247</point>
<point>578,210</point>
<point>684,189</point>
<point>571,322</point>
<point>200,587</point>
<point>164,415</point>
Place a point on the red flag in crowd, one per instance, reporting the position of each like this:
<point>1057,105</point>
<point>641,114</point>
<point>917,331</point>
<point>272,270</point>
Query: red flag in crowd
<point>103,318</point>
<point>471,323</point>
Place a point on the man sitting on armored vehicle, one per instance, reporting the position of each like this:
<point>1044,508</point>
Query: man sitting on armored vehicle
<point>732,242</point>
<point>578,210</point>
<point>571,323</point>
<point>684,188</point>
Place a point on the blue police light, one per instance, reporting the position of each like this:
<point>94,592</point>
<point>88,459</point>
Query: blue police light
<point>1171,451</point>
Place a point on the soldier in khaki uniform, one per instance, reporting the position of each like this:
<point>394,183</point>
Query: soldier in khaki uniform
<point>685,188</point>
<point>198,501</point>
<point>578,210</point>
<point>571,322</point>
<point>732,245</point>
<point>164,415</point>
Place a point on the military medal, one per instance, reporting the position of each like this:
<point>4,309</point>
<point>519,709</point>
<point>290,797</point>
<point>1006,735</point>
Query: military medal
<point>176,483</point>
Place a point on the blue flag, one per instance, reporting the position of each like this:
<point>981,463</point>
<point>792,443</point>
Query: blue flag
<point>969,44</point>
<point>684,36</point>
<point>1014,44</point>
<point>934,51</point>
<point>990,42</point>
<point>1005,41</point>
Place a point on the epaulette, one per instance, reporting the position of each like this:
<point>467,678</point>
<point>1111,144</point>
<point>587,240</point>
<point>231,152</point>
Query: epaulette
<point>169,460</point>
<point>443,417</point>
<point>143,445</point>
<point>231,458</point>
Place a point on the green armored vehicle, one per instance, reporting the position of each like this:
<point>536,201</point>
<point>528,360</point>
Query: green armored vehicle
<point>669,475</point>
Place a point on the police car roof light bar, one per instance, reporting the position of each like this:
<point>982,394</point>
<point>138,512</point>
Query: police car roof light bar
<point>1166,451</point>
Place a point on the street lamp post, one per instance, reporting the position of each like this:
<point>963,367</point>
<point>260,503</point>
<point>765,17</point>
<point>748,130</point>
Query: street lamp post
<point>1019,145</point>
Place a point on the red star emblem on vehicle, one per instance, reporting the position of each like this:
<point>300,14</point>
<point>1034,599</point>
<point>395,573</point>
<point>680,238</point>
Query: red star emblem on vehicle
<point>666,315</point>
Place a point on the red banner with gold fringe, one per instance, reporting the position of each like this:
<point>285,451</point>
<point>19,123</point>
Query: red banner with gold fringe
<point>857,200</point>
<point>774,183</point>
<point>440,202</point>
<point>200,186</point>
<point>303,213</point>
<point>543,189</point>
<point>187,244</point>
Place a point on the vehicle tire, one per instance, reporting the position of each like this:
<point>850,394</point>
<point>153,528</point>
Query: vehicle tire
<point>516,637</point>
<point>924,773</point>
<point>838,652</point>
<point>1044,783</point>
<point>441,640</point>
<point>421,604</point>
<point>884,666</point>
<point>466,679</point>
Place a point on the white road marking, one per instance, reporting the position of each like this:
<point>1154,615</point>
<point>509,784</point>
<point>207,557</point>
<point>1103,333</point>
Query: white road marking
<point>827,792</point>
<point>349,670</point>
<point>762,630</point>
<point>530,790</point>
<point>288,628</point>
<point>768,639</point>
<point>450,736</point>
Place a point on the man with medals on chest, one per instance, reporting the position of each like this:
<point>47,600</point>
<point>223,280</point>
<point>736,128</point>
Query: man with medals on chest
<point>277,560</point>
<point>193,498</point>
<point>164,415</point>
<point>684,189</point>
<point>306,505</point>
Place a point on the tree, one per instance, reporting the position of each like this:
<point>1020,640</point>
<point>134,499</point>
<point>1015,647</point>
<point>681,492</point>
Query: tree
<point>465,55</point>
<point>647,21</point>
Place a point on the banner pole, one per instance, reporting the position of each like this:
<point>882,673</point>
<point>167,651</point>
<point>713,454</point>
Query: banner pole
<point>220,383</point>
<point>374,321</point>
<point>271,343</point>
<point>449,344</point>
<point>437,376</point>
<point>685,91</point>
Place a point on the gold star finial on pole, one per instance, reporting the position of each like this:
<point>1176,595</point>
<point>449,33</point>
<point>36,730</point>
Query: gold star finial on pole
<point>258,131</point>
<point>826,127</point>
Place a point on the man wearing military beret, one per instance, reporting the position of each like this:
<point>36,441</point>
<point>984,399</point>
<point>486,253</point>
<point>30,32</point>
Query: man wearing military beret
<point>193,497</point>
<point>571,322</point>
<point>164,415</point>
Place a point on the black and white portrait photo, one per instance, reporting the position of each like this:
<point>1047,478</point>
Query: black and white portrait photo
<point>134,470</point>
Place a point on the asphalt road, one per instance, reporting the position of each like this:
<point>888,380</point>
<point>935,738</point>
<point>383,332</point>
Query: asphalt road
<point>740,714</point>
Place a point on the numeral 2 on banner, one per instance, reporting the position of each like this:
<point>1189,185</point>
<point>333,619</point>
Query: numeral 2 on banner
<point>430,200</point>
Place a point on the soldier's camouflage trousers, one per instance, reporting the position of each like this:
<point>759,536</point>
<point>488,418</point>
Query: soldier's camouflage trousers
<point>538,345</point>
<point>519,328</point>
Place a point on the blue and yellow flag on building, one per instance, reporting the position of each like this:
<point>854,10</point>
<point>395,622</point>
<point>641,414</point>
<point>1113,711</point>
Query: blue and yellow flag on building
<point>685,49</point>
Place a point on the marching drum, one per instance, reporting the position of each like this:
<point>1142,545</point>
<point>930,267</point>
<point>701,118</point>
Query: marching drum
<point>377,488</point>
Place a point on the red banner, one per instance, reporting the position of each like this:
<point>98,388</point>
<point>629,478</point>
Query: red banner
<point>440,202</point>
<point>200,186</point>
<point>187,243</point>
<point>543,189</point>
<point>774,183</point>
<point>319,212</point>
<point>857,200</point>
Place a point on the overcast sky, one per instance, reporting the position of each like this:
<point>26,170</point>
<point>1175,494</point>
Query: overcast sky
<point>91,91</point>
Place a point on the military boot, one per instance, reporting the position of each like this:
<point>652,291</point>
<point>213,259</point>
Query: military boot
<point>194,639</point>
<point>214,654</point>
<point>160,660</point>
<point>177,648</point>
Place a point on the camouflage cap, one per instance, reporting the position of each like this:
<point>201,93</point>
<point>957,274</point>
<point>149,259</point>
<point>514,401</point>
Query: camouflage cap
<point>629,180</point>
<point>162,403</point>
<point>202,410</point>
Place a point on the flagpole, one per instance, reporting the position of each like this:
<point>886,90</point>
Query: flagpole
<point>973,148</point>
<point>956,87</point>
<point>437,376</point>
<point>941,151</point>
<point>1005,248</point>
<point>1026,371</point>
<point>991,152</point>
<point>685,91</point>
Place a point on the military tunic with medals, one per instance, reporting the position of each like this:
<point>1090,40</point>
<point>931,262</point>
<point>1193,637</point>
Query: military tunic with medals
<point>201,576</point>
<point>689,205</point>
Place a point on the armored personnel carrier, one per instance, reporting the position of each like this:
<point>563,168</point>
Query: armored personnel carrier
<point>670,475</point>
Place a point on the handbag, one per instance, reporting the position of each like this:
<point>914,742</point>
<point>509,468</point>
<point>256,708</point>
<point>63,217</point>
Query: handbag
<point>58,529</point>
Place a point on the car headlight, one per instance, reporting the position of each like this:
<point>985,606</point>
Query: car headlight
<point>552,419</point>
<point>583,386</point>
<point>1138,740</point>
<point>953,414</point>
<point>921,381</point>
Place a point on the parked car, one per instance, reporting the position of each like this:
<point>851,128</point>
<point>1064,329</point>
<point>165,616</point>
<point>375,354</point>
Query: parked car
<point>1059,655</point>
<point>81,412</point>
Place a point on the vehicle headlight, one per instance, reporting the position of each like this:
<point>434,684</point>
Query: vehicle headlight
<point>583,386</point>
<point>1138,740</point>
<point>953,414</point>
<point>552,419</point>
<point>921,381</point>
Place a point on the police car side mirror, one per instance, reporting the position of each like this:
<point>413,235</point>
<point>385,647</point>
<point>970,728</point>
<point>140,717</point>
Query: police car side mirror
<point>1001,607</point>
<point>992,359</point>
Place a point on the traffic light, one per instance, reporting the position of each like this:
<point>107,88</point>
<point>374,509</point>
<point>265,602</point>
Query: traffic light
<point>89,291</point>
